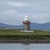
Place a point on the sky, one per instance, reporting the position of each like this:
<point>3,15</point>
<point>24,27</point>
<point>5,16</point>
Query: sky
<point>12,12</point>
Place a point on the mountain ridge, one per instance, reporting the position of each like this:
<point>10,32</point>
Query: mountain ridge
<point>36,26</point>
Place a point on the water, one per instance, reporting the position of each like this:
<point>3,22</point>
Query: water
<point>19,46</point>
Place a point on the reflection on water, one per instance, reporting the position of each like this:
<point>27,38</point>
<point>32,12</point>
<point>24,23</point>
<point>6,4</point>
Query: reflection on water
<point>19,46</point>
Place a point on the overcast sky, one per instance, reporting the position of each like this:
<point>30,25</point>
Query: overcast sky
<point>13,11</point>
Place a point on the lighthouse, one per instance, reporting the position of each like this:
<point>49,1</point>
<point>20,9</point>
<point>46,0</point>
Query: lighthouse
<point>26,23</point>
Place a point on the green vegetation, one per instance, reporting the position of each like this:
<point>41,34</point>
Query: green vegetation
<point>17,34</point>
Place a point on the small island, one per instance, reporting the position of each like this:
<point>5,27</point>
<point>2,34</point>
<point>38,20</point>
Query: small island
<point>25,35</point>
<point>16,36</point>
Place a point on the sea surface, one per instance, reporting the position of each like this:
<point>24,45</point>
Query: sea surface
<point>20,46</point>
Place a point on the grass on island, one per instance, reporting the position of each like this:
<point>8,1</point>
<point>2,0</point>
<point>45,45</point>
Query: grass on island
<point>18,32</point>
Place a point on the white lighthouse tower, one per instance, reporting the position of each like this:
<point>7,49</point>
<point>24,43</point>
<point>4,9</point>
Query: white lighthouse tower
<point>26,23</point>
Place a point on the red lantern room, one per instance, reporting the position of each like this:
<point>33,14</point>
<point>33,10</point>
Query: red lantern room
<point>26,23</point>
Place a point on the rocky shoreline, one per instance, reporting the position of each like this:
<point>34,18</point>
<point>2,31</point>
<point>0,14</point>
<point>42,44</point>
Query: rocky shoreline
<point>24,41</point>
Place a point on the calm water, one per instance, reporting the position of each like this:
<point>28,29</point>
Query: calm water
<point>18,46</point>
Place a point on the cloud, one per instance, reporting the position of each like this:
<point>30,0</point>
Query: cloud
<point>14,11</point>
<point>4,6</point>
<point>10,17</point>
<point>40,18</point>
<point>18,4</point>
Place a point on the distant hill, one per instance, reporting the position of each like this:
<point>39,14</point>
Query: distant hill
<point>10,26</point>
<point>35,26</point>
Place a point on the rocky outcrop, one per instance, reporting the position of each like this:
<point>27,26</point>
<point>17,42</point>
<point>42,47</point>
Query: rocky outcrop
<point>25,41</point>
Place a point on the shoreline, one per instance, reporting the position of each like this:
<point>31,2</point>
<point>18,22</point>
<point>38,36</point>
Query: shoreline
<point>25,41</point>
